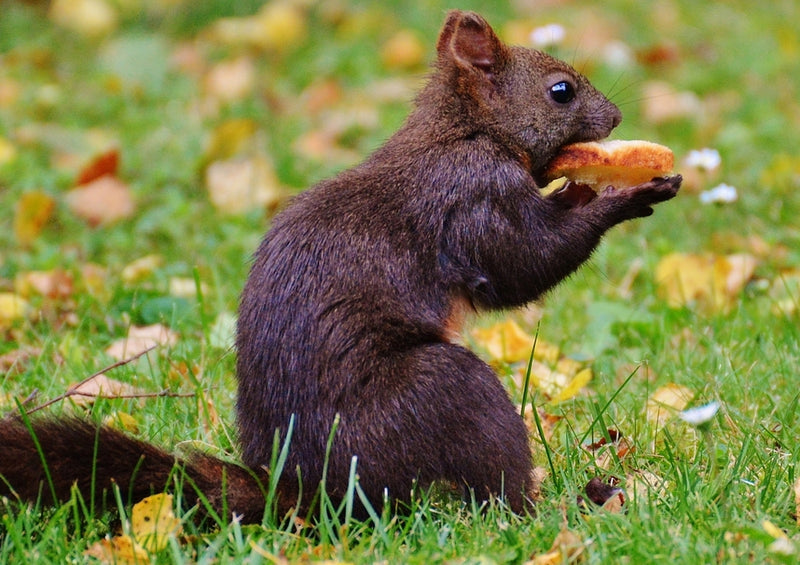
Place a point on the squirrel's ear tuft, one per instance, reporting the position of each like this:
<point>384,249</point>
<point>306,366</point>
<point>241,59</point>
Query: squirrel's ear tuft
<point>468,40</point>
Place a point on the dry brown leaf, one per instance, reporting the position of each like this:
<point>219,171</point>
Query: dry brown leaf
<point>56,284</point>
<point>104,164</point>
<point>101,201</point>
<point>34,209</point>
<point>15,361</point>
<point>100,386</point>
<point>120,550</point>
<point>666,402</point>
<point>140,339</point>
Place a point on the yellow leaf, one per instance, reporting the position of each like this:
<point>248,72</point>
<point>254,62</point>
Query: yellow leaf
<point>12,307</point>
<point>239,185</point>
<point>567,548</point>
<point>773,530</point>
<point>7,150</point>
<point>121,421</point>
<point>577,384</point>
<point>229,139</point>
<point>403,50</point>
<point>666,402</point>
<point>141,268</point>
<point>33,211</point>
<point>153,522</point>
<point>507,342</point>
<point>712,281</point>
<point>91,18</point>
<point>120,550</point>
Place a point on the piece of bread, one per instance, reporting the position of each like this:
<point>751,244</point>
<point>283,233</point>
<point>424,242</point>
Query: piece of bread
<point>617,163</point>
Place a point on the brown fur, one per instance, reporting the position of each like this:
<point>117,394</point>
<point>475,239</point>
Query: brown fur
<point>350,305</point>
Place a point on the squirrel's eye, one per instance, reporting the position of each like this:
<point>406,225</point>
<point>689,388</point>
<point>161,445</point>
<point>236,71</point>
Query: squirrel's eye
<point>562,92</point>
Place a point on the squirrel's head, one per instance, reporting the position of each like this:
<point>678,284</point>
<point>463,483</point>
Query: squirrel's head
<point>527,98</point>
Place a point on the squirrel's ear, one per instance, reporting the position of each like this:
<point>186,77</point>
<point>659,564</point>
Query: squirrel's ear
<point>468,40</point>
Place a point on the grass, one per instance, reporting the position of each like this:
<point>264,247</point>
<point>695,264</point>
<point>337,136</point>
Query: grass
<point>715,495</point>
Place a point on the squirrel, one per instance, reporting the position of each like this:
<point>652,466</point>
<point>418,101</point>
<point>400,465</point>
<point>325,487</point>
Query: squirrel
<point>350,315</point>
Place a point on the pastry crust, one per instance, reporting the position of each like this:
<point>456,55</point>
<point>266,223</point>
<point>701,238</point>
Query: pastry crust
<point>617,163</point>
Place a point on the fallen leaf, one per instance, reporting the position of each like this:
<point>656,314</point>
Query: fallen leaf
<point>92,18</point>
<point>662,103</point>
<point>278,26</point>
<point>16,360</point>
<point>100,386</point>
<point>507,342</point>
<point>555,385</point>
<point>229,139</point>
<point>94,278</point>
<point>7,150</point>
<point>239,185</point>
<point>666,402</point>
<point>567,548</point>
<point>711,281</point>
<point>403,50</point>
<point>121,421</point>
<point>56,284</point>
<point>232,80</point>
<point>104,164</point>
<point>574,386</point>
<point>640,484</point>
<point>33,210</point>
<point>119,550</point>
<point>12,307</point>
<point>141,268</point>
<point>140,339</point>
<point>101,201</point>
<point>153,522</point>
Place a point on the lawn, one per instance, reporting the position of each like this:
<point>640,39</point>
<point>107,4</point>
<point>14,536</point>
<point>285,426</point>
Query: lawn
<point>203,118</point>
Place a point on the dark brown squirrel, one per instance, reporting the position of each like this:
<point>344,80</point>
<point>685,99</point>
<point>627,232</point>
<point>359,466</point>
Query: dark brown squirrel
<point>355,295</point>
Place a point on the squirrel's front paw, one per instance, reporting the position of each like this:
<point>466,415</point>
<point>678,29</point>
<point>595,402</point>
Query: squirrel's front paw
<point>638,200</point>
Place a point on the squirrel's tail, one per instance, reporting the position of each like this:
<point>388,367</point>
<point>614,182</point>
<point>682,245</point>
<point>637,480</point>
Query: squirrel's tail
<point>43,463</point>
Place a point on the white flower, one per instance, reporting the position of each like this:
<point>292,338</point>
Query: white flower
<point>705,159</point>
<point>701,414</point>
<point>551,34</point>
<point>720,194</point>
